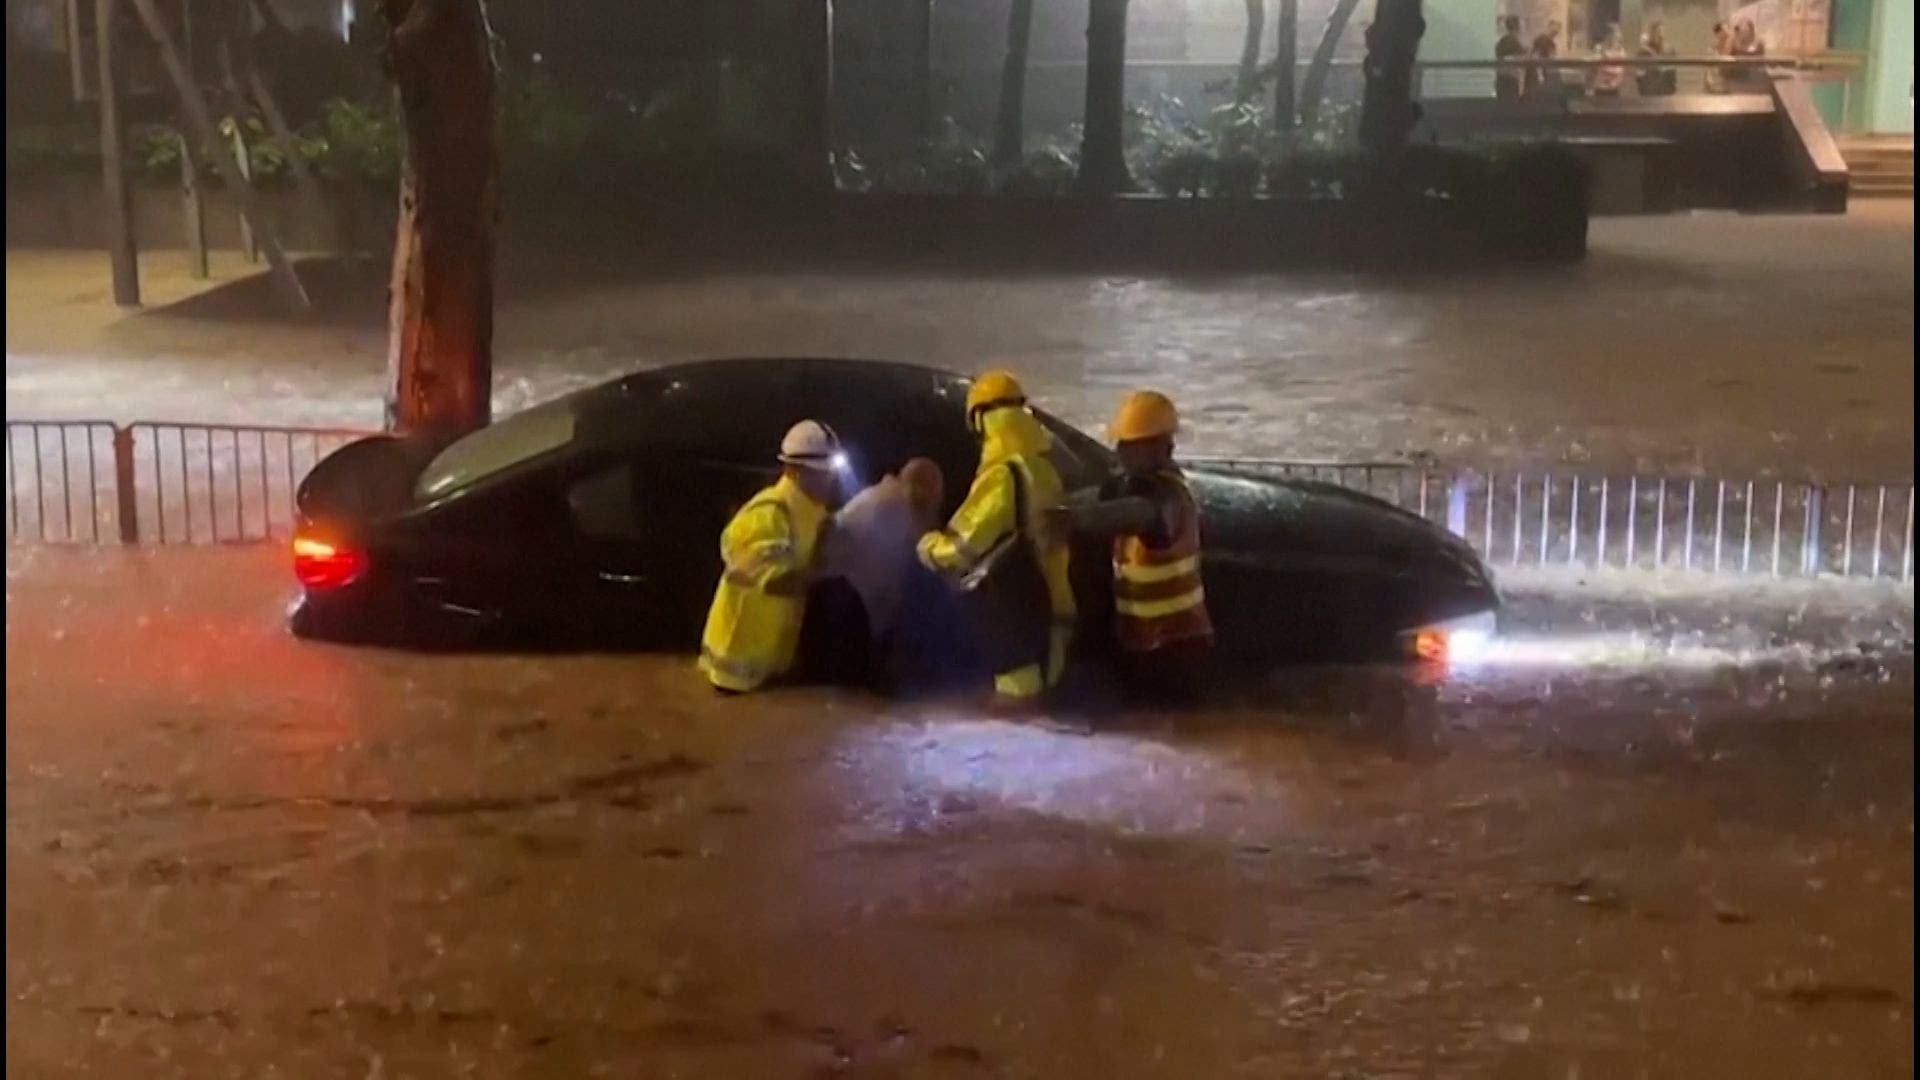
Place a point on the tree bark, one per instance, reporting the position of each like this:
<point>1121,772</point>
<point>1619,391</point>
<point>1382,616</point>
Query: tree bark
<point>1286,47</point>
<point>1103,162</point>
<point>922,91</point>
<point>440,324</point>
<point>200,119</point>
<point>1248,82</point>
<point>815,36</point>
<point>121,253</point>
<point>1010,125</point>
<point>1388,111</point>
<point>1314,87</point>
<point>261,90</point>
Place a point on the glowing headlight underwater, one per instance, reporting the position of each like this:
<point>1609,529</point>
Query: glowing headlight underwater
<point>1452,643</point>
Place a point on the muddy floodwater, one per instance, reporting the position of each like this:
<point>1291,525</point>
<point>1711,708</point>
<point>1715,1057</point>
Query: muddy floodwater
<point>1710,343</point>
<point>1679,843</point>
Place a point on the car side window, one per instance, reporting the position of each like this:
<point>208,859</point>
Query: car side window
<point>602,504</point>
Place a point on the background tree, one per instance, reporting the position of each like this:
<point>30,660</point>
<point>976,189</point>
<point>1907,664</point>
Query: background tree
<point>814,34</point>
<point>1246,81</point>
<point>1286,46</point>
<point>1010,123</point>
<point>1103,162</point>
<point>440,347</point>
<point>1314,87</point>
<point>1387,109</point>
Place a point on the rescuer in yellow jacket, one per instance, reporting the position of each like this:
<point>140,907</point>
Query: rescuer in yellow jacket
<point>999,544</point>
<point>768,550</point>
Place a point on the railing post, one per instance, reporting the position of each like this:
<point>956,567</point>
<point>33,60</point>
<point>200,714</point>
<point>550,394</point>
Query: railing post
<point>1810,537</point>
<point>129,510</point>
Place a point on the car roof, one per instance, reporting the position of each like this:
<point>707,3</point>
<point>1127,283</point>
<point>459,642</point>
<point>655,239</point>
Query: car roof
<point>646,406</point>
<point>673,406</point>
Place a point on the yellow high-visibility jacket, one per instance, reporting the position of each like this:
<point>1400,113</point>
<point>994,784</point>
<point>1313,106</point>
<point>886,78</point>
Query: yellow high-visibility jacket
<point>753,627</point>
<point>987,516</point>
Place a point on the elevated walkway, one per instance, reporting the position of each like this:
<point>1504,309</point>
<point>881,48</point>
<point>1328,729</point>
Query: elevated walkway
<point>1680,133</point>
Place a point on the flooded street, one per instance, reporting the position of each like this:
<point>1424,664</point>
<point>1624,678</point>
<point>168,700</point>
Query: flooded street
<point>1683,850</point>
<point>1728,345</point>
<point>1645,834</point>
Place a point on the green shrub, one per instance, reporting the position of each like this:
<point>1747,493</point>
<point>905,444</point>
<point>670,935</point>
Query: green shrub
<point>1048,172</point>
<point>360,143</point>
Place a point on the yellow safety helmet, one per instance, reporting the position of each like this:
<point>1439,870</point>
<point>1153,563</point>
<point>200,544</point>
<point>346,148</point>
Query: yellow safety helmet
<point>1145,414</point>
<point>995,389</point>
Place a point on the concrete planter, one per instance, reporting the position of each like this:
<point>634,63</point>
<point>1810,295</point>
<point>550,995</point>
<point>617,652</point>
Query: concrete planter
<point>58,212</point>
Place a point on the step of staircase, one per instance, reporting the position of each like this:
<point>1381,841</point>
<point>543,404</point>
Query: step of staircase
<point>1880,168</point>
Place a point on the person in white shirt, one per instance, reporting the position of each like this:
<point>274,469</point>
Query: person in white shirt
<point>871,545</point>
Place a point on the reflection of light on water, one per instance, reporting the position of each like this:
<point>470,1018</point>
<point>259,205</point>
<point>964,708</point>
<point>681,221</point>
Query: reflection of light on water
<point>1616,650</point>
<point>1124,782</point>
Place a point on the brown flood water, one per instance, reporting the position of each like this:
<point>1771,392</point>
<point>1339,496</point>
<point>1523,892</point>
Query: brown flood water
<point>229,853</point>
<point>1724,344</point>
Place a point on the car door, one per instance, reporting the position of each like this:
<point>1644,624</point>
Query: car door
<point>622,582</point>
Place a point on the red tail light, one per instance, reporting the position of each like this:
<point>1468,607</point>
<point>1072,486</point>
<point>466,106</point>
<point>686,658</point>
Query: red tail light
<point>324,564</point>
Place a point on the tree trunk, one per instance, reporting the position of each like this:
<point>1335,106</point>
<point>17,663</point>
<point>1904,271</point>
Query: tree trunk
<point>440,343</point>
<point>1103,162</point>
<point>1009,128</point>
<point>1247,84</point>
<point>122,256</point>
<point>815,37</point>
<point>1388,111</point>
<point>1315,85</point>
<point>922,91</point>
<point>261,91</point>
<point>1286,47</point>
<point>239,188</point>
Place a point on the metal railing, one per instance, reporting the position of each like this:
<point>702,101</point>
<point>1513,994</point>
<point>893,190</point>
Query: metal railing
<point>1578,75</point>
<point>61,481</point>
<point>1770,528</point>
<point>92,482</point>
<point>95,482</point>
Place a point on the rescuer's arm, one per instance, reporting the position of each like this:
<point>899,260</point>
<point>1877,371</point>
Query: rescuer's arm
<point>981,522</point>
<point>1109,518</point>
<point>759,552</point>
<point>1140,508</point>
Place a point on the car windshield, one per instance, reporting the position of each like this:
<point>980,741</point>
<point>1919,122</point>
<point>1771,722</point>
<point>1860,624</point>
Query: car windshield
<point>497,447</point>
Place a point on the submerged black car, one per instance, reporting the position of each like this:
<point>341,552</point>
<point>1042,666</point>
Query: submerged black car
<point>593,521</point>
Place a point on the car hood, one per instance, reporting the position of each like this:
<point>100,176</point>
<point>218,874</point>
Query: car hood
<point>1264,518</point>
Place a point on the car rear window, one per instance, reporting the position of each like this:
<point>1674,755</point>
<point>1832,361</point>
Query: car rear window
<point>497,447</point>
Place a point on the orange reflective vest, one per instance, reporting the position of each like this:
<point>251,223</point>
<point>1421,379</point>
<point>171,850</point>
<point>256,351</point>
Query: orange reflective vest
<point>1158,598</point>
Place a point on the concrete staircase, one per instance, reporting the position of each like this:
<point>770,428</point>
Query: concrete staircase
<point>1880,168</point>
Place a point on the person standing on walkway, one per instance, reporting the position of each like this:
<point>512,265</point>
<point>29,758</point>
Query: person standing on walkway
<point>1722,46</point>
<point>1746,45</point>
<point>768,551</point>
<point>1542,79</point>
<point>1506,81</point>
<point>1656,81</point>
<point>1012,565</point>
<point>1609,79</point>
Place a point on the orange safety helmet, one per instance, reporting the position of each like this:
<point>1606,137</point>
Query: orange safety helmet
<point>995,389</point>
<point>1145,414</point>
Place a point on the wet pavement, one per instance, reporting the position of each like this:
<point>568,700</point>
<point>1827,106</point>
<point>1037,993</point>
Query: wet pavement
<point>1729,345</point>
<point>1651,834</point>
<point>1648,834</point>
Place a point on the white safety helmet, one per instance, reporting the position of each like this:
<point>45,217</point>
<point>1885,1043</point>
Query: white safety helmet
<point>811,444</point>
